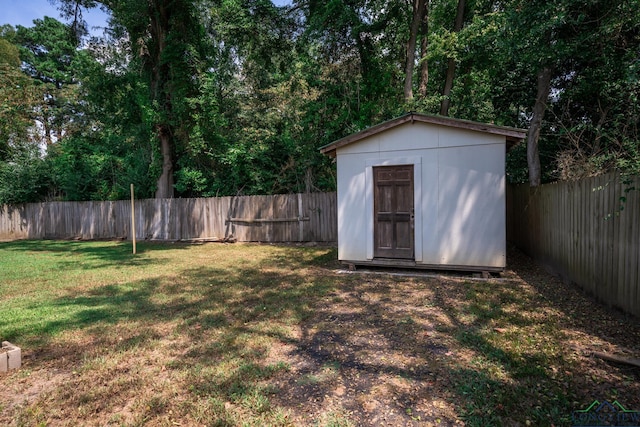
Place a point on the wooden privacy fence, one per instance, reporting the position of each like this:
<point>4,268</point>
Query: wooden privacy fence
<point>586,231</point>
<point>307,217</point>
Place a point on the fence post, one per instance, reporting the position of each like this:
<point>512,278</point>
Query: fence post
<point>300,221</point>
<point>133,221</point>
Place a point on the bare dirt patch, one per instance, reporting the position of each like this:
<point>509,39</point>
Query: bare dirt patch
<point>371,354</point>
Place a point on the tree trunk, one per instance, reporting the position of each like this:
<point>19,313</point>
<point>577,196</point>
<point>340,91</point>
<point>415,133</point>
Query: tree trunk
<point>539,108</point>
<point>160,19</point>
<point>451,66</point>
<point>164,188</point>
<point>424,66</point>
<point>418,12</point>
<point>46,128</point>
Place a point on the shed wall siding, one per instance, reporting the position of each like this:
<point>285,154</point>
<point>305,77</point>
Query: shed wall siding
<point>471,206</point>
<point>460,193</point>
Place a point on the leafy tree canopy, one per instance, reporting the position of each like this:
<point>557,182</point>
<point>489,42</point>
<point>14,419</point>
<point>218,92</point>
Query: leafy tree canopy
<point>197,98</point>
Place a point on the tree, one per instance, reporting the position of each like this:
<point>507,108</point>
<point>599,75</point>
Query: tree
<point>219,97</point>
<point>451,63</point>
<point>24,175</point>
<point>165,39</point>
<point>580,58</point>
<point>49,55</point>
<point>264,88</point>
<point>598,103</point>
<point>417,23</point>
<point>533,155</point>
<point>18,95</point>
<point>424,46</point>
<point>114,146</point>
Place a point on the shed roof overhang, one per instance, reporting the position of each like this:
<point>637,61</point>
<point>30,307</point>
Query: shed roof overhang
<point>513,135</point>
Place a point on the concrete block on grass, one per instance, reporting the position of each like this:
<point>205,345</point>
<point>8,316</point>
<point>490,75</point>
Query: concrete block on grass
<point>10,357</point>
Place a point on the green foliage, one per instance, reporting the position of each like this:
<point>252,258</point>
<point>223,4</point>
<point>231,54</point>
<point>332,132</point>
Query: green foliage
<point>116,147</point>
<point>597,112</point>
<point>48,50</point>
<point>24,176</point>
<point>190,182</point>
<point>246,92</point>
<point>256,136</point>
<point>18,96</point>
<point>9,54</point>
<point>49,56</point>
<point>84,170</point>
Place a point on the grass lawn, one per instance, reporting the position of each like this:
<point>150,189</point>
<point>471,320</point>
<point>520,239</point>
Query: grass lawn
<point>264,335</point>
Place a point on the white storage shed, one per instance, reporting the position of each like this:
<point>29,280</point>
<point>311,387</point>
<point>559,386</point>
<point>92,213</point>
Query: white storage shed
<point>423,191</point>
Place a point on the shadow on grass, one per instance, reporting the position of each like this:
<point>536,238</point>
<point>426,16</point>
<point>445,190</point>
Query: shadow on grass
<point>377,337</point>
<point>355,344</point>
<point>95,254</point>
<point>224,322</point>
<point>496,351</point>
<point>382,350</point>
<point>246,294</point>
<point>585,325</point>
<point>510,354</point>
<point>523,336</point>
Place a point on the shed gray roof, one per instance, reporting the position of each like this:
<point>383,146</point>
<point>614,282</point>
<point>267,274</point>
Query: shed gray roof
<point>513,135</point>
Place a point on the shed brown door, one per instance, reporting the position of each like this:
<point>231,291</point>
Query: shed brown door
<point>393,212</point>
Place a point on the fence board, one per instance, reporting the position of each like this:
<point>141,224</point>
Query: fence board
<point>632,248</point>
<point>578,230</point>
